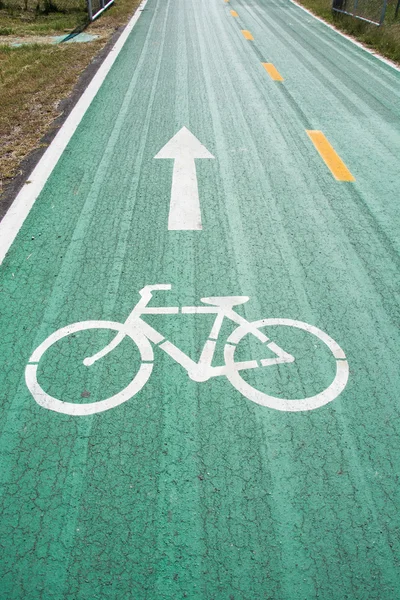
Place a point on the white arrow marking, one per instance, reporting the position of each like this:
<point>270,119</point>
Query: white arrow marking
<point>184,210</point>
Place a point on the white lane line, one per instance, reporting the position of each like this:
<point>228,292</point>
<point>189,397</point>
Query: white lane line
<point>20,208</point>
<point>184,211</point>
<point>348,37</point>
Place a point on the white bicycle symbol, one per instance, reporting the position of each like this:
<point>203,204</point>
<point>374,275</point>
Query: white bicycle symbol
<point>142,334</point>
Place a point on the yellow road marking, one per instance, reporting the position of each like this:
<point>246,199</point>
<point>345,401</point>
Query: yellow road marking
<point>272,71</point>
<point>330,157</point>
<point>234,13</point>
<point>247,34</point>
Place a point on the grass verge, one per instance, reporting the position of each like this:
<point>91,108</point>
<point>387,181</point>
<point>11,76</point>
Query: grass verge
<point>384,39</point>
<point>35,78</point>
<point>40,17</point>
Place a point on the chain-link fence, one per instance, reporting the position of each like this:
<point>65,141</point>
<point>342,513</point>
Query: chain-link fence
<point>93,8</point>
<point>372,11</point>
<point>96,7</point>
<point>43,6</point>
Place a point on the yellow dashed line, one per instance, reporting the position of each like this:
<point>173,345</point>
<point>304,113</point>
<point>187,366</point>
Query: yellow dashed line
<point>272,71</point>
<point>234,13</point>
<point>247,34</point>
<point>330,157</point>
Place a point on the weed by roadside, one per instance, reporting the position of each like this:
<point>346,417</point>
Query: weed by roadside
<point>34,79</point>
<point>11,25</point>
<point>40,17</point>
<point>384,39</point>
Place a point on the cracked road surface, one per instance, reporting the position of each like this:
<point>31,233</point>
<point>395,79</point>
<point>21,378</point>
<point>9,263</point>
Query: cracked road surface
<point>283,187</point>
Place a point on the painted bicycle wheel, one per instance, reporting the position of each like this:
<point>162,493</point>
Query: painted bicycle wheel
<point>287,405</point>
<point>89,408</point>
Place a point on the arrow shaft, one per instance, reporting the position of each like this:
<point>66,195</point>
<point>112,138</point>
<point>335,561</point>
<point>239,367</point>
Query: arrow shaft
<point>184,211</point>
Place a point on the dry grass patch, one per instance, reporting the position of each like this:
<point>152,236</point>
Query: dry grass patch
<point>33,81</point>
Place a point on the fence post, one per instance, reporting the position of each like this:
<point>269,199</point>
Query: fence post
<point>383,12</point>
<point>90,9</point>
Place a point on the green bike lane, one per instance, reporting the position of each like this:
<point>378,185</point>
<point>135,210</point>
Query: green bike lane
<point>190,489</point>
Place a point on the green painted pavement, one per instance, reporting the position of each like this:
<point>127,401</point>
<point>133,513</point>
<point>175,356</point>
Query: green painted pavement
<point>189,489</point>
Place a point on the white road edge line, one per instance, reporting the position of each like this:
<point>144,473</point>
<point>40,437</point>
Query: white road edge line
<point>348,37</point>
<point>20,208</point>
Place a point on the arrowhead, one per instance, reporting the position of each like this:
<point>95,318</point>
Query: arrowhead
<point>184,145</point>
